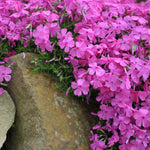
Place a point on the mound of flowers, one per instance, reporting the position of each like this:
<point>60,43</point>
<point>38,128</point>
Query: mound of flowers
<point>108,44</point>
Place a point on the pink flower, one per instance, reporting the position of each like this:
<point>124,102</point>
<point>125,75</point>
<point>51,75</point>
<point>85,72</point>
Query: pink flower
<point>116,69</point>
<point>66,40</point>
<point>96,82</point>
<point>112,82</point>
<point>87,32</point>
<point>97,144</point>
<point>79,50</point>
<point>5,73</point>
<point>142,117</point>
<point>12,53</point>
<point>144,72</point>
<point>113,139</point>
<point>53,28</point>
<point>95,69</point>
<point>6,59</point>
<point>41,35</point>
<point>142,95</point>
<point>125,82</point>
<point>82,86</point>
<point>106,112</point>
<point>104,95</point>
<point>133,145</point>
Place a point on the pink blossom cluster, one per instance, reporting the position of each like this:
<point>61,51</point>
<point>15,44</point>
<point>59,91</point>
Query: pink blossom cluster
<point>22,20</point>
<point>108,46</point>
<point>111,53</point>
<point>4,76</point>
<point>5,71</point>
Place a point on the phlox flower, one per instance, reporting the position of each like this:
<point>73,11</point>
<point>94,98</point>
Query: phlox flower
<point>125,127</point>
<point>125,43</point>
<point>119,25</point>
<point>70,5</point>
<point>82,86</point>
<point>126,133</point>
<point>95,69</point>
<point>92,51</point>
<point>141,134</point>
<point>134,76</point>
<point>96,82</point>
<point>50,16</point>
<point>123,100</point>
<point>12,53</point>
<point>79,50</point>
<point>113,139</point>
<point>144,72</point>
<point>5,73</point>
<point>72,60</point>
<point>142,95</point>
<point>106,112</point>
<point>65,40</point>
<point>140,32</point>
<point>100,29</point>
<point>130,23</point>
<point>125,82</point>
<point>41,35</point>
<point>97,144</point>
<point>112,82</point>
<point>79,73</point>
<point>87,32</point>
<point>53,28</point>
<point>116,69</point>
<point>133,145</point>
<point>141,20</point>
<point>104,95</point>
<point>142,117</point>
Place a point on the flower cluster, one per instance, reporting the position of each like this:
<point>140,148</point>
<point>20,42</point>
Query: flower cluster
<point>4,76</point>
<point>112,55</point>
<point>108,45</point>
<point>5,71</point>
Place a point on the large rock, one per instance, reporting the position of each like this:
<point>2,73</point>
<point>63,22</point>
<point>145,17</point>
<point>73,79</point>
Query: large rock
<point>7,114</point>
<point>46,119</point>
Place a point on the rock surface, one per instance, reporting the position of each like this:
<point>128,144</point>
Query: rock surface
<point>46,119</point>
<point>7,114</point>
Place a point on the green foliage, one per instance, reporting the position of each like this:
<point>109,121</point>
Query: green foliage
<point>4,48</point>
<point>31,47</point>
<point>55,65</point>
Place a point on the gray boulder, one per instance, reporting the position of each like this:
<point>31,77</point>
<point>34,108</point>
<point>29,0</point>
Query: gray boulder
<point>7,114</point>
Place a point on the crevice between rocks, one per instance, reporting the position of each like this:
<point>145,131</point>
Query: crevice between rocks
<point>7,143</point>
